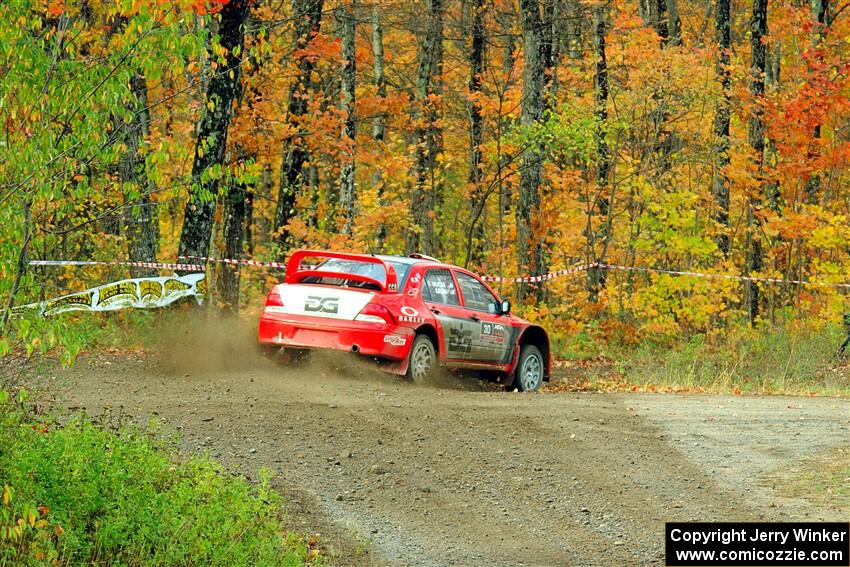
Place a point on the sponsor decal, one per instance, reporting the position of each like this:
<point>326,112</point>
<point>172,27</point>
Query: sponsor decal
<point>173,285</point>
<point>316,304</point>
<point>410,315</point>
<point>416,278</point>
<point>395,340</point>
<point>77,301</point>
<point>460,340</point>
<point>413,292</point>
<point>492,332</point>
<point>201,285</point>
<point>150,290</point>
<point>116,291</point>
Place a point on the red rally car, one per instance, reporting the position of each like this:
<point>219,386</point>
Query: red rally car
<point>413,313</point>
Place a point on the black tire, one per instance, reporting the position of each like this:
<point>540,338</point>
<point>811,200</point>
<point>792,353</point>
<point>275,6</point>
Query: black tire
<point>530,370</point>
<point>270,351</point>
<point>423,360</point>
<point>286,356</point>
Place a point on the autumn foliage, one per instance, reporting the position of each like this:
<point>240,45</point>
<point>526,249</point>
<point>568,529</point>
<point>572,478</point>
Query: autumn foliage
<point>102,104</point>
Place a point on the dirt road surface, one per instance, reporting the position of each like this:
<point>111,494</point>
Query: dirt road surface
<point>464,474</point>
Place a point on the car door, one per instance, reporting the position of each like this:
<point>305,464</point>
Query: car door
<point>439,292</point>
<point>491,339</point>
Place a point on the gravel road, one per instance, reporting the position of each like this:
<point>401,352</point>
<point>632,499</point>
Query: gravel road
<point>462,474</point>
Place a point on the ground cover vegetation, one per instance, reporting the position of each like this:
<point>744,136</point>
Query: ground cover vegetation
<point>103,491</point>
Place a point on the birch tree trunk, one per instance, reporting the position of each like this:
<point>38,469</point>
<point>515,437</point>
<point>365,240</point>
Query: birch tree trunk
<point>346,178</point>
<point>722,112</point>
<point>379,127</point>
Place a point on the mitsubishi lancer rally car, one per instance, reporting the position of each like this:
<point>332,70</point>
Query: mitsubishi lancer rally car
<point>413,314</point>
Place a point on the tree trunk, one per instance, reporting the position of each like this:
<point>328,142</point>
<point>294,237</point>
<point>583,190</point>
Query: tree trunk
<point>234,232</point>
<point>530,242</point>
<point>598,237</point>
<point>140,217</point>
<point>654,15</point>
<point>427,194</point>
<point>772,77</point>
<point>212,134</point>
<point>477,204</point>
<point>674,22</point>
<point>249,223</point>
<point>346,178</point>
<point>551,52</point>
<point>308,16</point>
<point>820,10</point>
<point>720,189</point>
<point>755,137</point>
<point>379,127</point>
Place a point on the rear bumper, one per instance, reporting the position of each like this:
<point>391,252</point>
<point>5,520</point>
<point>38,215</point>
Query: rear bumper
<point>369,339</point>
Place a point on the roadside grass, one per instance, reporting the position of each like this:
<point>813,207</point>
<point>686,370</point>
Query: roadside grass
<point>823,480</point>
<point>764,361</point>
<point>770,359</point>
<point>108,493</point>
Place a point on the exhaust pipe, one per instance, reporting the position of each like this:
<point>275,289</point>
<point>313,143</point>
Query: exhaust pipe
<point>355,348</point>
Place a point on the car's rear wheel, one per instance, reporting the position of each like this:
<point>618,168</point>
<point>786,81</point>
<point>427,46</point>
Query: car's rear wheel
<point>423,359</point>
<point>285,355</point>
<point>530,370</point>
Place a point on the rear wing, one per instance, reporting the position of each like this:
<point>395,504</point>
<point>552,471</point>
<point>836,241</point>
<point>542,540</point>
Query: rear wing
<point>296,273</point>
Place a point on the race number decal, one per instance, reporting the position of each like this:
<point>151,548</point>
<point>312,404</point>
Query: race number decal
<point>492,332</point>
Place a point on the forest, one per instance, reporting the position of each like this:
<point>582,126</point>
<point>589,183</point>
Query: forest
<point>517,138</point>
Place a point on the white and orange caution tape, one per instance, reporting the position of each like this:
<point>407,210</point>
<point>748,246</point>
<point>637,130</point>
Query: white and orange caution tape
<point>542,277</point>
<point>232,261</point>
<point>585,267</point>
<point>151,265</point>
<point>199,261</point>
<point>758,279</point>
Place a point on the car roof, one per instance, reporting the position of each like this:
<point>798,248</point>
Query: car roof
<point>403,259</point>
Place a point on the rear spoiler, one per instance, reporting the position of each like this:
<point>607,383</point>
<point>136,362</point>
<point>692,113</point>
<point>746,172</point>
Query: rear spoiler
<point>295,273</point>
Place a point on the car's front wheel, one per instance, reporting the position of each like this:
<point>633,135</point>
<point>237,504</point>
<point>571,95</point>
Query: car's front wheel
<point>530,370</point>
<point>423,359</point>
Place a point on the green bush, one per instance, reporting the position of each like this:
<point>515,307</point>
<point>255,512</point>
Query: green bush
<point>86,493</point>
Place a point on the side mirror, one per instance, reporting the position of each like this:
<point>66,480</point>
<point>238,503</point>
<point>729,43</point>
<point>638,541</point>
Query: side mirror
<point>505,307</point>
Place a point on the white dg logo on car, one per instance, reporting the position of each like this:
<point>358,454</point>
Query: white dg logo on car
<point>317,304</point>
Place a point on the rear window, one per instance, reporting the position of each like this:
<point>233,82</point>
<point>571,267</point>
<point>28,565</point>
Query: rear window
<point>368,269</point>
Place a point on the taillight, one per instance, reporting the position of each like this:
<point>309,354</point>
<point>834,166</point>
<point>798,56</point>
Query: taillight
<point>375,313</point>
<point>273,299</point>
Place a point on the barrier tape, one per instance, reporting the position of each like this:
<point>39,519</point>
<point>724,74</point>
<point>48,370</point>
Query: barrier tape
<point>585,267</point>
<point>518,279</point>
<point>721,276</point>
<point>541,278</point>
<point>152,265</point>
<point>232,261</point>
